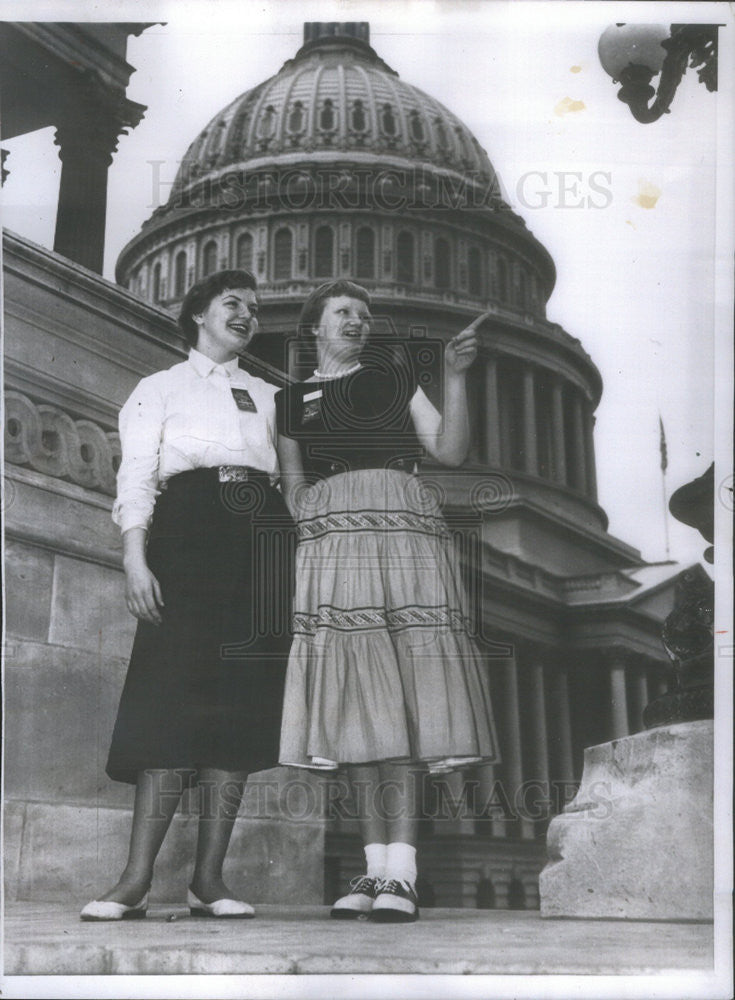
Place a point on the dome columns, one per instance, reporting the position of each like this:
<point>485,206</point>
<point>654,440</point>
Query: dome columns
<point>530,452</point>
<point>493,454</point>
<point>557,432</point>
<point>578,438</point>
<point>546,403</point>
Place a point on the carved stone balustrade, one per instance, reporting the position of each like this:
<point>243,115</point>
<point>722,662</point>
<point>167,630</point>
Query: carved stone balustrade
<point>50,441</point>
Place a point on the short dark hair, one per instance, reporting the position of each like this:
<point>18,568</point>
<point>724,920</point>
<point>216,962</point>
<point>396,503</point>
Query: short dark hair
<point>313,308</point>
<point>201,294</point>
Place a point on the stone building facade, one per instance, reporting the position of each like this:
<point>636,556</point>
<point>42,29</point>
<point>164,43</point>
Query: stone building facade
<point>335,166</point>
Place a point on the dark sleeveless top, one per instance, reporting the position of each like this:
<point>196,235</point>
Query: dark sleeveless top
<point>359,421</point>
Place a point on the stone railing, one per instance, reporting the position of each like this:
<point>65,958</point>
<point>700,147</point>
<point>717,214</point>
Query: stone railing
<point>48,440</point>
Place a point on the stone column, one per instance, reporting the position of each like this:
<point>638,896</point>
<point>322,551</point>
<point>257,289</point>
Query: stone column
<point>579,443</point>
<point>557,432</point>
<point>620,724</point>
<point>492,413</point>
<point>513,754</point>
<point>87,139</point>
<point>640,699</point>
<point>475,406</point>
<point>540,733</point>
<point>530,456</point>
<point>560,709</point>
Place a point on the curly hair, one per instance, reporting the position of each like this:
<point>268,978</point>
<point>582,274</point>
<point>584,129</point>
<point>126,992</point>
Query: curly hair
<point>201,294</point>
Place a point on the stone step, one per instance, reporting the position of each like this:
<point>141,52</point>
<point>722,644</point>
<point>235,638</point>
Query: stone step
<point>50,939</point>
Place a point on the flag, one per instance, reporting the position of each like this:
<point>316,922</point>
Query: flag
<point>662,445</point>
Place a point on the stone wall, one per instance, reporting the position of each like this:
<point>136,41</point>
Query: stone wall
<point>75,347</point>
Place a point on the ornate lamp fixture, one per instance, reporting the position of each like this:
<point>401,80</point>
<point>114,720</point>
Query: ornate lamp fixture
<point>634,53</point>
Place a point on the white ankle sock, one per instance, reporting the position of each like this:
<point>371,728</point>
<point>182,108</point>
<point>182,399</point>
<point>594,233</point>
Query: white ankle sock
<point>375,854</point>
<point>400,862</point>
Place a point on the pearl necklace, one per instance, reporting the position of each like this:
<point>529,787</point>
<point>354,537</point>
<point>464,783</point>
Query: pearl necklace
<point>332,375</point>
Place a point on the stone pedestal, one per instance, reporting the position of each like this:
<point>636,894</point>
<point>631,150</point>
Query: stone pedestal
<point>637,841</point>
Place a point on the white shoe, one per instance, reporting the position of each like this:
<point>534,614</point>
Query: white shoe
<point>358,901</point>
<point>396,902</point>
<point>106,909</point>
<point>233,909</point>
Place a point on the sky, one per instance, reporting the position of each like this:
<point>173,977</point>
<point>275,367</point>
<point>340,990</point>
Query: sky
<point>638,218</point>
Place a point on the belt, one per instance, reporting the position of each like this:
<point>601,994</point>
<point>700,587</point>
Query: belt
<point>223,474</point>
<point>237,473</point>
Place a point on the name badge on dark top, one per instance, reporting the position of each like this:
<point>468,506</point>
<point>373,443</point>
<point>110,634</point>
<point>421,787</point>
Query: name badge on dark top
<point>244,400</point>
<point>311,405</point>
<point>311,411</point>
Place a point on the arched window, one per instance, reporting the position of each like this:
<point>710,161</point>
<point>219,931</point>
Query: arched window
<point>405,269</point>
<point>417,127</point>
<point>296,117</point>
<point>358,120</point>
<point>209,258</point>
<point>282,254</point>
<point>388,120</point>
<point>442,277</point>
<point>180,274</point>
<point>441,135</point>
<point>267,124</point>
<point>502,280</point>
<point>522,289</point>
<point>245,251</point>
<point>215,140</point>
<point>157,283</point>
<point>365,255</point>
<point>324,252</point>
<point>474,271</point>
<point>327,116</point>
<point>237,132</point>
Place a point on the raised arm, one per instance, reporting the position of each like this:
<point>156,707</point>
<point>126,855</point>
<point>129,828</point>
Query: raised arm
<point>446,436</point>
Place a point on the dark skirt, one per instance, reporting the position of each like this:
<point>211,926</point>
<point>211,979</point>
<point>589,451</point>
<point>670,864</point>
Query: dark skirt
<point>205,688</point>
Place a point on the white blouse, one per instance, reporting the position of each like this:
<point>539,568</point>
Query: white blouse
<point>187,417</point>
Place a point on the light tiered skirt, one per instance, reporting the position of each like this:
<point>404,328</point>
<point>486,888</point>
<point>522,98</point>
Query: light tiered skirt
<point>382,667</point>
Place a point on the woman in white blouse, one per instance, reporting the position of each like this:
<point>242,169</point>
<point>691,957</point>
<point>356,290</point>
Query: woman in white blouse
<point>204,552</point>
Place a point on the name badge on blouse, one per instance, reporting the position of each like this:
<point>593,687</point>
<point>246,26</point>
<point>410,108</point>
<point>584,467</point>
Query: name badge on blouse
<point>312,405</point>
<point>244,400</point>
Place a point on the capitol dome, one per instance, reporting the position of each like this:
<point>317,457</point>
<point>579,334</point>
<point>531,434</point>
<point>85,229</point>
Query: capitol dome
<point>336,97</point>
<point>337,167</point>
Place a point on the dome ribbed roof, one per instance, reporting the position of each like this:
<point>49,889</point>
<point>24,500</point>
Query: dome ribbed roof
<point>335,96</point>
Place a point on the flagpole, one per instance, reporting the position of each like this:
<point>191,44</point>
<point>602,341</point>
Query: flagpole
<point>664,465</point>
<point>666,512</point>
